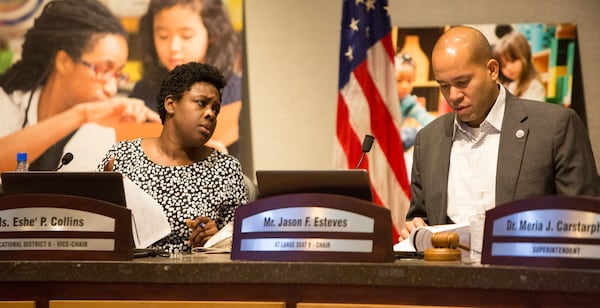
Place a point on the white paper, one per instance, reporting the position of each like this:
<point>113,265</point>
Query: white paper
<point>405,245</point>
<point>149,222</point>
<point>86,154</point>
<point>218,243</point>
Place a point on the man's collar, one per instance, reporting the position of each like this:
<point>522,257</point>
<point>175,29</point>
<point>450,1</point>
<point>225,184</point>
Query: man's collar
<point>494,117</point>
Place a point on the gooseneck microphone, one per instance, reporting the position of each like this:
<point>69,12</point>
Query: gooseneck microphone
<point>366,147</point>
<point>65,160</point>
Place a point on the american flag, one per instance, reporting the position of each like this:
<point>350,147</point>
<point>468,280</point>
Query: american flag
<point>368,104</point>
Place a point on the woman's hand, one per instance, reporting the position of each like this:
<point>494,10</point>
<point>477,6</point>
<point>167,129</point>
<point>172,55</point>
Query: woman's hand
<point>217,145</point>
<point>117,110</point>
<point>110,164</point>
<point>203,228</point>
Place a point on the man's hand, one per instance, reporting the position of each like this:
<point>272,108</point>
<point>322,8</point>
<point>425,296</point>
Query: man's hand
<point>409,226</point>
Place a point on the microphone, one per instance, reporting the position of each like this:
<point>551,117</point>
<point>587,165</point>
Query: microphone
<point>366,147</point>
<point>65,160</point>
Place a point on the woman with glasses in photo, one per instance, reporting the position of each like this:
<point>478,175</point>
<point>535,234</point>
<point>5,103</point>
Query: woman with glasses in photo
<point>60,96</point>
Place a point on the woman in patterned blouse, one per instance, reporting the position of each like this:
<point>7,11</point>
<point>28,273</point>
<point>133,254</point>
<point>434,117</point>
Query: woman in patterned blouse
<point>198,187</point>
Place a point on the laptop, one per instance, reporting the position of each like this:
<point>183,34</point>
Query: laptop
<point>105,186</point>
<point>353,183</point>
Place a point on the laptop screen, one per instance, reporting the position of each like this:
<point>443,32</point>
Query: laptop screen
<point>353,183</point>
<point>106,186</point>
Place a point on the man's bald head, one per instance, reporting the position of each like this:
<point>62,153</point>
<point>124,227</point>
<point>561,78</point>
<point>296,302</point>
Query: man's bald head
<point>466,72</point>
<point>463,39</point>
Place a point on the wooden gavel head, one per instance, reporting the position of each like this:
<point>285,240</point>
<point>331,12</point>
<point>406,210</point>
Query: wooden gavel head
<point>445,247</point>
<point>445,240</point>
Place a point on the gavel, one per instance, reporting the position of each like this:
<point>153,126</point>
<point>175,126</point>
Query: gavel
<point>445,247</point>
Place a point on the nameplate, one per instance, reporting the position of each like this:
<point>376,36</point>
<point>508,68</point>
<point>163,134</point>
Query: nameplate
<point>308,218</point>
<point>312,227</point>
<point>57,244</point>
<point>553,231</point>
<point>306,244</point>
<point>63,227</point>
<point>54,219</point>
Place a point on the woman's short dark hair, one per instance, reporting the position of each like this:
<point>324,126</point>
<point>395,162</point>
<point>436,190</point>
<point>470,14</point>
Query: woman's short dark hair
<point>224,43</point>
<point>70,25</point>
<point>181,79</point>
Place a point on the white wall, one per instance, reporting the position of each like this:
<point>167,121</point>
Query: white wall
<point>292,61</point>
<point>292,55</point>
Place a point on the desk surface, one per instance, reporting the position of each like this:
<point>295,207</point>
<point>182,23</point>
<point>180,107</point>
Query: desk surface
<point>404,281</point>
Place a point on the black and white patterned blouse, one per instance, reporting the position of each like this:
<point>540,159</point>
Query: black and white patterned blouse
<point>213,187</point>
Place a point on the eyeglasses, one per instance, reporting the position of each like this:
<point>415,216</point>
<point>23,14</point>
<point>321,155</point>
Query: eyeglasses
<point>105,74</point>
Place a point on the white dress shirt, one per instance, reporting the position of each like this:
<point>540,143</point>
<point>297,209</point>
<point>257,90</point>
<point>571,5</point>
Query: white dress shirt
<point>473,161</point>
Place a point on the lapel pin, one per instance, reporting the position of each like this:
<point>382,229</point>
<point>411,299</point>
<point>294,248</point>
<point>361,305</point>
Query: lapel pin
<point>520,134</point>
